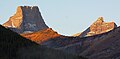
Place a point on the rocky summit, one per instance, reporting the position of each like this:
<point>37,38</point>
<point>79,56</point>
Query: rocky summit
<point>98,27</point>
<point>26,19</point>
<point>100,41</point>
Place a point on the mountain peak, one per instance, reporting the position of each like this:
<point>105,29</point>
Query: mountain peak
<point>27,7</point>
<point>98,27</point>
<point>100,19</point>
<point>26,18</point>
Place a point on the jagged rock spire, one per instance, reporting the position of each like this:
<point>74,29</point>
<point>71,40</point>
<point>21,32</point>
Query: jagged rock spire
<point>98,27</point>
<point>26,18</point>
<point>100,19</point>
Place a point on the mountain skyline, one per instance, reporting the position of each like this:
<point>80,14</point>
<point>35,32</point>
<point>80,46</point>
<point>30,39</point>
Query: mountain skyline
<point>77,14</point>
<point>27,28</point>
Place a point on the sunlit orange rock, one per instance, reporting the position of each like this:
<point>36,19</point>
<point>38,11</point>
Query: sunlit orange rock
<point>98,27</point>
<point>42,35</point>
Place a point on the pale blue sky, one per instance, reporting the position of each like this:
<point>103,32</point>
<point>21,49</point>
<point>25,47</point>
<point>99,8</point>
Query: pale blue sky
<point>67,17</point>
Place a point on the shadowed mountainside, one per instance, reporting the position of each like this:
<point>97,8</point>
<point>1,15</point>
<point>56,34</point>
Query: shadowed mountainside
<point>102,46</point>
<point>107,46</point>
<point>14,46</point>
<point>50,38</point>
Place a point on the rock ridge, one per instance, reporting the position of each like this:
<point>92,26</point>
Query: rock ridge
<point>26,18</point>
<point>98,27</point>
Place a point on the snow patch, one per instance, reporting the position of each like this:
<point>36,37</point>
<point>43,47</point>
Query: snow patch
<point>32,25</point>
<point>9,26</point>
<point>13,25</point>
<point>18,18</point>
<point>27,32</point>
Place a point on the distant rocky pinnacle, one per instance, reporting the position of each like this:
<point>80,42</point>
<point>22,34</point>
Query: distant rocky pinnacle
<point>98,27</point>
<point>26,19</point>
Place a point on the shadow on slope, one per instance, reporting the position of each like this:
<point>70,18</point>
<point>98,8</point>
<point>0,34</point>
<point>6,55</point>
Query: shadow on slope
<point>103,46</point>
<point>14,46</point>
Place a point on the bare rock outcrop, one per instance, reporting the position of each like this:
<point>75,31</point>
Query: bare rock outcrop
<point>98,27</point>
<point>42,35</point>
<point>26,19</point>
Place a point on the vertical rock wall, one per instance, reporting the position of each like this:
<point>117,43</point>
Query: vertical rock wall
<point>26,19</point>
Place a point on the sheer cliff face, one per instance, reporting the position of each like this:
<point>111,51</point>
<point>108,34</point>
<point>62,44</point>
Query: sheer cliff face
<point>26,19</point>
<point>99,27</point>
